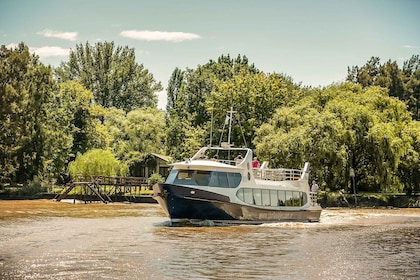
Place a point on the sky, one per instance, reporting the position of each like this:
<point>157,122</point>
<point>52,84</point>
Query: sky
<point>312,41</point>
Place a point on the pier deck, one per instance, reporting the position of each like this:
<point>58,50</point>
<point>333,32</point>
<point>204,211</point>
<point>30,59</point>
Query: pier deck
<point>105,189</point>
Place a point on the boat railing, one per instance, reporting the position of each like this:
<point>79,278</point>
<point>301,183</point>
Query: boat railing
<point>278,174</point>
<point>314,198</point>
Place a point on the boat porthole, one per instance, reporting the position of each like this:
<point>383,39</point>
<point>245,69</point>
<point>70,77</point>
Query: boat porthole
<point>192,192</point>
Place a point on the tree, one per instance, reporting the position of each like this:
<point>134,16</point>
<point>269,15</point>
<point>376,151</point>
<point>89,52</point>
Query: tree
<point>174,86</point>
<point>188,96</point>
<point>411,70</point>
<point>255,97</point>
<point>401,83</point>
<point>341,127</point>
<point>76,106</point>
<point>26,90</point>
<point>97,162</point>
<point>112,75</point>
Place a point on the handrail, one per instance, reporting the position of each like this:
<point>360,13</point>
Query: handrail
<point>280,174</point>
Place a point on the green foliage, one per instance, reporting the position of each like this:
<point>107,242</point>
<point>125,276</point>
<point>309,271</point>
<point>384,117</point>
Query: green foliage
<point>112,75</point>
<point>155,178</point>
<point>195,97</point>
<point>25,92</point>
<point>32,188</point>
<point>338,128</point>
<point>254,96</point>
<point>97,162</point>
<point>140,131</point>
<point>401,83</point>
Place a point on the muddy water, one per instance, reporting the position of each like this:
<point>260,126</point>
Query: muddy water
<point>49,240</point>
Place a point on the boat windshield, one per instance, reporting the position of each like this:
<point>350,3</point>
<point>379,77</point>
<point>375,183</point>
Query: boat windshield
<point>204,178</point>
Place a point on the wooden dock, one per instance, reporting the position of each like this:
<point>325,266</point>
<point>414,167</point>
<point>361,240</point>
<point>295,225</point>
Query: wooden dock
<point>106,189</point>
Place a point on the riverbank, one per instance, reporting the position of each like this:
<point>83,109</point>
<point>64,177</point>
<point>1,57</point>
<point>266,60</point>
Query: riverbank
<point>368,200</point>
<point>325,199</point>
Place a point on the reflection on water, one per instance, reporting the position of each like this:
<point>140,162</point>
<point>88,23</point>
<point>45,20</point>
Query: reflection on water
<point>49,240</point>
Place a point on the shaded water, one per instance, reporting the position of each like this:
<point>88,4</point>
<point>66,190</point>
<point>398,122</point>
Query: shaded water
<point>50,240</point>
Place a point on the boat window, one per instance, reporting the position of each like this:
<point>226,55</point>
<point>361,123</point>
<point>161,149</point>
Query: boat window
<point>204,178</point>
<point>266,197</point>
<point>234,179</point>
<point>303,198</point>
<point>273,198</point>
<point>248,197</point>
<point>172,176</point>
<point>296,199</point>
<point>240,194</point>
<point>257,196</point>
<point>282,198</point>
<point>289,198</point>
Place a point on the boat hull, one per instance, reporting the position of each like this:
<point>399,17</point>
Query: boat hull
<point>187,204</point>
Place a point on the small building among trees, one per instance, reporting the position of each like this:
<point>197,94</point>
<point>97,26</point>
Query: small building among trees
<point>151,163</point>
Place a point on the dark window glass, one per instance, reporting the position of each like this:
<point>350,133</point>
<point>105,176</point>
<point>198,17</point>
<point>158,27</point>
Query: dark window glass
<point>204,178</point>
<point>234,179</point>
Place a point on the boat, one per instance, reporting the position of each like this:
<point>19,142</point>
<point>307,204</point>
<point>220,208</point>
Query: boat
<point>220,185</point>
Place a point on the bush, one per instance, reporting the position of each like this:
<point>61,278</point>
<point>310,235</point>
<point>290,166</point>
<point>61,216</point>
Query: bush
<point>154,179</point>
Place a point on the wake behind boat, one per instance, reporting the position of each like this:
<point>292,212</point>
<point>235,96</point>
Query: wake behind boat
<point>219,184</point>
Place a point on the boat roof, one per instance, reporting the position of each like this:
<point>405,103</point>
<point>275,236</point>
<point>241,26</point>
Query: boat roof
<point>204,164</point>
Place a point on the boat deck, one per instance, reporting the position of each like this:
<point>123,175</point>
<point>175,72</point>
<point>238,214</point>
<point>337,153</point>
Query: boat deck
<point>279,174</point>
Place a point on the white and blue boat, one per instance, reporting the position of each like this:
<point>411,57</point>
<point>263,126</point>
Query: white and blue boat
<point>219,184</point>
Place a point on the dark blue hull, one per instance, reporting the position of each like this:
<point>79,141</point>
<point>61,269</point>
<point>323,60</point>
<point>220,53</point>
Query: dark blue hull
<point>185,203</point>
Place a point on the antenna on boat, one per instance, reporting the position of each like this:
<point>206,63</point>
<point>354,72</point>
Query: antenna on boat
<point>211,128</point>
<point>230,122</point>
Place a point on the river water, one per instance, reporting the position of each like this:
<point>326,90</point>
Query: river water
<point>43,239</point>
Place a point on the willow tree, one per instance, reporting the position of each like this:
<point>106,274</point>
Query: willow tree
<point>97,162</point>
<point>112,74</point>
<point>338,128</point>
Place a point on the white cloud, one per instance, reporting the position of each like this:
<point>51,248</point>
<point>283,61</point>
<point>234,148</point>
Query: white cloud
<point>148,35</point>
<point>12,46</point>
<point>71,36</point>
<point>48,51</point>
<point>410,47</point>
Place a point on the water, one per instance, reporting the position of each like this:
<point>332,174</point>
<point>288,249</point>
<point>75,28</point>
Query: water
<point>51,240</point>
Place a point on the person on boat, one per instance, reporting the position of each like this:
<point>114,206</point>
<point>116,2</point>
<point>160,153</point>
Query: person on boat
<point>238,159</point>
<point>314,187</point>
<point>202,156</point>
<point>255,163</point>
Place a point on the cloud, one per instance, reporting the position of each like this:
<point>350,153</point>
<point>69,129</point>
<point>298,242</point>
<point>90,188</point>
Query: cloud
<point>71,36</point>
<point>12,46</point>
<point>48,51</point>
<point>148,35</point>
<point>410,47</point>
